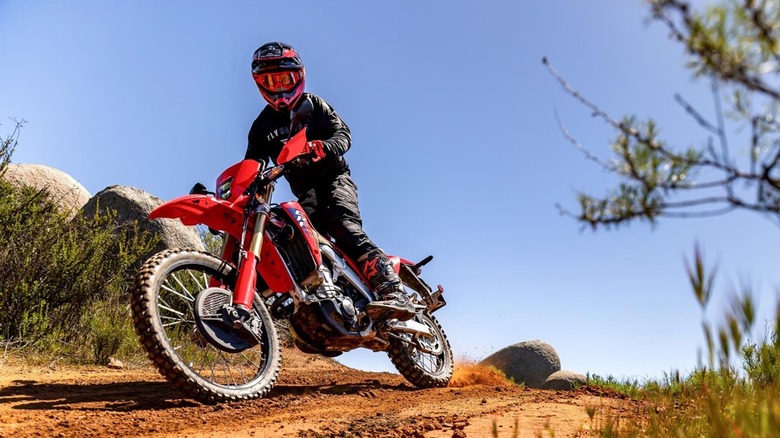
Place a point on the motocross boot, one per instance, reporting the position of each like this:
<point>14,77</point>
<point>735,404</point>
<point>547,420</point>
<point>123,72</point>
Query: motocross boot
<point>393,301</point>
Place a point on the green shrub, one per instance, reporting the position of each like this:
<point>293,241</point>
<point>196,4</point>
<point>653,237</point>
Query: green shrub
<point>761,360</point>
<point>64,282</point>
<point>109,332</point>
<point>630,387</point>
<point>56,268</point>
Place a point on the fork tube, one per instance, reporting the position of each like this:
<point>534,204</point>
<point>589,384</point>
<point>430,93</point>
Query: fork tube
<point>228,248</point>
<point>262,215</point>
<point>247,273</point>
<point>245,284</point>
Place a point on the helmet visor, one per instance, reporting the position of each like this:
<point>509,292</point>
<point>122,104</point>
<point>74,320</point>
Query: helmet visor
<point>278,81</point>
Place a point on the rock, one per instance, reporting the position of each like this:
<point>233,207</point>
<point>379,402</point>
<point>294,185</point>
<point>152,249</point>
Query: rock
<point>132,204</point>
<point>564,380</point>
<point>528,362</point>
<point>115,364</point>
<point>67,193</point>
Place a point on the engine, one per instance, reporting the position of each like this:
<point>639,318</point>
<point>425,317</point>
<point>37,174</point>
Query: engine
<point>331,322</point>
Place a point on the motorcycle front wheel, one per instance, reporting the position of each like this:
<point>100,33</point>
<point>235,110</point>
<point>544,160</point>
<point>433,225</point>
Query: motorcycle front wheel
<point>164,297</point>
<point>425,363</point>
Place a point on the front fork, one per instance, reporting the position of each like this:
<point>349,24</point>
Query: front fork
<point>244,292</point>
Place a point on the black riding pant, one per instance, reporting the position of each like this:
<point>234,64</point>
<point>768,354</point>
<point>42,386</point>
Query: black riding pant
<point>332,206</point>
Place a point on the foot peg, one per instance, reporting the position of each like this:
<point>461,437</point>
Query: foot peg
<point>395,305</point>
<point>411,327</point>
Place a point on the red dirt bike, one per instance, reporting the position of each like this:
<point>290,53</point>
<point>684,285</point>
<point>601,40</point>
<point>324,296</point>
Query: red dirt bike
<point>208,322</point>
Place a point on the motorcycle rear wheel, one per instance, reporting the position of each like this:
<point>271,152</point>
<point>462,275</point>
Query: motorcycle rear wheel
<point>428,367</point>
<point>163,306</point>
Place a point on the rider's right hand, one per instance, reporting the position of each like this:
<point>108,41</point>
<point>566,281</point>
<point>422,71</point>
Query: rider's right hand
<point>317,149</point>
<point>316,152</point>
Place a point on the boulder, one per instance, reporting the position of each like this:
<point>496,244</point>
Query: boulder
<point>564,380</point>
<point>115,363</point>
<point>530,362</point>
<point>132,204</point>
<point>67,193</point>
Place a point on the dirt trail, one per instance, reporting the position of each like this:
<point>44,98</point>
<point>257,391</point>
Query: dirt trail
<point>314,397</point>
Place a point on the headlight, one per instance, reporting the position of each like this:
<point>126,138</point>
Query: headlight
<point>223,189</point>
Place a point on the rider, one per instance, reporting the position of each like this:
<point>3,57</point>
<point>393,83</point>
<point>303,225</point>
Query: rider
<point>324,188</point>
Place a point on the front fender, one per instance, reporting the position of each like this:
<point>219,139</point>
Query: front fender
<point>203,209</point>
<point>226,216</point>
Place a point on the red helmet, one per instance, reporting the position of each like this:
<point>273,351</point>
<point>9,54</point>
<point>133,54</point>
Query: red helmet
<point>279,74</point>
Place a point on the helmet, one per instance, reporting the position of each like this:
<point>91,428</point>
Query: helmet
<point>279,74</point>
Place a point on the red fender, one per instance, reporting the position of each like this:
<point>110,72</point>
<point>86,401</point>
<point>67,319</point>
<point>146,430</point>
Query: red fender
<point>203,209</point>
<point>225,216</point>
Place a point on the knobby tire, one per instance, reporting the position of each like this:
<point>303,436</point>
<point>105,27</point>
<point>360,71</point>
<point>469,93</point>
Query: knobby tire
<point>151,332</point>
<point>406,358</point>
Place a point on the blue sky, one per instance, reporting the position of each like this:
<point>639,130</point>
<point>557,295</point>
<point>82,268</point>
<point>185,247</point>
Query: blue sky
<point>456,149</point>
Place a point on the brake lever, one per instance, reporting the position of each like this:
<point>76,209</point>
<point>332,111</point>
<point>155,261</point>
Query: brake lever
<point>305,160</point>
<point>301,161</point>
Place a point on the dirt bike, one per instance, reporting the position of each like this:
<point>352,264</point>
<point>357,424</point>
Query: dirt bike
<point>207,322</point>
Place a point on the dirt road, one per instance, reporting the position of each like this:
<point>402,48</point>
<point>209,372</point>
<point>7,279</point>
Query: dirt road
<point>314,397</point>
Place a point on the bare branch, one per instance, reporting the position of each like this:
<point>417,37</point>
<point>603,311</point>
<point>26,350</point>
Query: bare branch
<point>724,144</point>
<point>588,154</point>
<point>576,94</point>
<point>699,214</point>
<point>775,160</point>
<point>697,202</point>
<point>753,143</point>
<point>632,132</point>
<point>8,144</point>
<point>696,115</point>
<point>698,186</point>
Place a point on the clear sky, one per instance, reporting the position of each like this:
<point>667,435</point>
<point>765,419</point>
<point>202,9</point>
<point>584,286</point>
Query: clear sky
<point>456,149</point>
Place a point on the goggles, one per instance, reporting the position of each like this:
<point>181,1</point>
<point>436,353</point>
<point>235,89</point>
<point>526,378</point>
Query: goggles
<point>279,81</point>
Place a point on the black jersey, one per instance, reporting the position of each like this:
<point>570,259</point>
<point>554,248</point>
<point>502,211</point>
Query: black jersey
<point>271,130</point>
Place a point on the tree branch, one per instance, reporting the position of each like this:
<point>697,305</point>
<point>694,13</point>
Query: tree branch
<point>726,45</point>
<point>732,69</point>
<point>699,214</point>
<point>696,115</point>
<point>588,154</point>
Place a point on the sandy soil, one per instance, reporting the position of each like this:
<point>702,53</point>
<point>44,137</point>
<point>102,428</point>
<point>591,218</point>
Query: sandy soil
<point>314,397</point>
